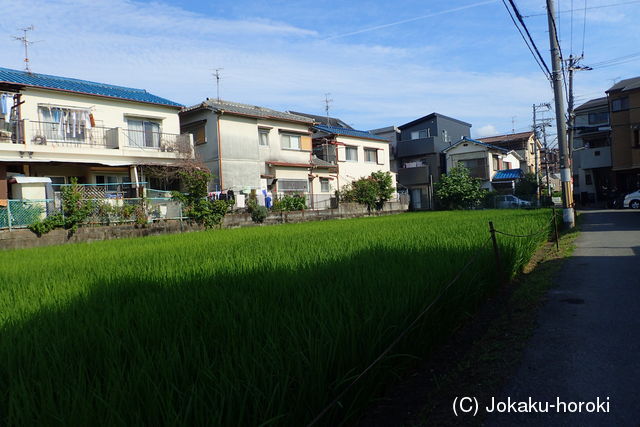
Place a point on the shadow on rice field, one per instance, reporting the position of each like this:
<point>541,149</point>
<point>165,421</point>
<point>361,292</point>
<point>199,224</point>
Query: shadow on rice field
<point>151,335</point>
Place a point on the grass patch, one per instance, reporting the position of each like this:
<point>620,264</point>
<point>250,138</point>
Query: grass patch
<point>238,327</point>
<point>483,356</point>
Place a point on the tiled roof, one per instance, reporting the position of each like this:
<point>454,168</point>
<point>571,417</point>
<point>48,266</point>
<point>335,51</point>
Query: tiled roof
<point>335,130</point>
<point>331,121</point>
<point>626,84</point>
<point>23,78</point>
<point>249,110</point>
<point>510,137</point>
<point>475,141</point>
<point>592,103</point>
<point>508,175</point>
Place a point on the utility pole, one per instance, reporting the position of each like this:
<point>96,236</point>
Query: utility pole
<point>561,126</point>
<point>327,101</point>
<point>543,107</point>
<point>26,42</point>
<point>546,158</point>
<point>216,74</point>
<point>572,65</point>
<point>535,153</point>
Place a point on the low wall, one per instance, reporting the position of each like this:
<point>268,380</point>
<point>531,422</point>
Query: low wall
<point>22,238</point>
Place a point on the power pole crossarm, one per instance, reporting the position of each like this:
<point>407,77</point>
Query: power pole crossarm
<point>561,125</point>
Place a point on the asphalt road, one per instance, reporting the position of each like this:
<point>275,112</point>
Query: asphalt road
<point>587,343</point>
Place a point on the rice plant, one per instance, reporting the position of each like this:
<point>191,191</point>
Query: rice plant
<point>253,326</point>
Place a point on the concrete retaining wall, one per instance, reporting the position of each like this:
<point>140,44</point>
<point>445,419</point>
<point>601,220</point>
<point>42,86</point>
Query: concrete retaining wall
<point>23,238</point>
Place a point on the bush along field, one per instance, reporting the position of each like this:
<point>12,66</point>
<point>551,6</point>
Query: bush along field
<point>253,326</point>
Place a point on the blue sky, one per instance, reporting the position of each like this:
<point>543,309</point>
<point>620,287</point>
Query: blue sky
<point>462,58</point>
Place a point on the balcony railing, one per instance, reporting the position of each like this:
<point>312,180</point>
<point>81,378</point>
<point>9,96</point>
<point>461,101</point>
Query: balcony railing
<point>326,152</point>
<point>54,134</point>
<point>159,141</point>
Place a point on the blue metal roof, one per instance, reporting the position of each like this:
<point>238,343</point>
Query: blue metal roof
<point>508,175</point>
<point>336,130</point>
<point>81,86</point>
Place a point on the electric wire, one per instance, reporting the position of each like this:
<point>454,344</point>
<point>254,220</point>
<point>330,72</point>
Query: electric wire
<point>530,43</point>
<point>586,8</point>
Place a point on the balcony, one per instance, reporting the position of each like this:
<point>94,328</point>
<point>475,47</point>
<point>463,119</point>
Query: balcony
<point>413,176</point>
<point>55,135</point>
<point>326,153</point>
<point>415,147</point>
<point>53,142</point>
<point>597,157</point>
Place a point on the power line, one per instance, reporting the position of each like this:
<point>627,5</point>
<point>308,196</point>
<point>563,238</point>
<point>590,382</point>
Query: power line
<point>584,27</point>
<point>586,8</point>
<point>530,43</point>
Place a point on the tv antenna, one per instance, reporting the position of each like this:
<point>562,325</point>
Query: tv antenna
<point>26,42</point>
<point>513,124</point>
<point>216,74</point>
<point>327,101</point>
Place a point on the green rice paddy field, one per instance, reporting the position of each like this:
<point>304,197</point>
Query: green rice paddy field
<point>252,326</point>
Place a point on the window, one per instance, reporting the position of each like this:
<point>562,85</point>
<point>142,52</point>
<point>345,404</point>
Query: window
<point>596,153</point>
<point>263,137</point>
<point>620,104</point>
<point>351,154</point>
<point>290,141</point>
<point>324,185</point>
<point>371,155</point>
<point>587,179</point>
<point>636,138</point>
<point>143,134</point>
<point>63,124</point>
<point>600,117</point>
<point>292,185</point>
<point>445,135</point>
<point>420,134</point>
<point>507,165</point>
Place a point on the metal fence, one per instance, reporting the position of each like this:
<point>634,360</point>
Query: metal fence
<point>114,207</point>
<point>23,213</point>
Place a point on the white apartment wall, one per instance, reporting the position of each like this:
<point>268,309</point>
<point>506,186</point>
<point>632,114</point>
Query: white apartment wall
<point>110,113</point>
<point>243,160</point>
<point>353,170</point>
<point>106,111</point>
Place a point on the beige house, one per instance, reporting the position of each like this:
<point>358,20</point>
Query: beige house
<point>497,167</point>
<point>59,128</point>
<point>251,148</point>
<point>526,144</point>
<point>356,154</point>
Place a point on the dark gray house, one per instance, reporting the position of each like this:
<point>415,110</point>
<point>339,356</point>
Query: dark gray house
<point>419,157</point>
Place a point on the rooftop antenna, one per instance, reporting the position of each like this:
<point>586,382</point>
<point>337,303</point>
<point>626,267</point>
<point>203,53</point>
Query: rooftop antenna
<point>217,76</point>
<point>513,124</point>
<point>327,101</point>
<point>26,42</point>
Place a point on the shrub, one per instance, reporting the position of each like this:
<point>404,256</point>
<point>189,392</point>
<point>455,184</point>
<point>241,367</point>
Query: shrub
<point>372,191</point>
<point>196,206</point>
<point>459,190</point>
<point>290,203</point>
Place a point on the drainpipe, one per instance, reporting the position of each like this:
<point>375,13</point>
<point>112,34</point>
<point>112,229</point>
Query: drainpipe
<point>219,151</point>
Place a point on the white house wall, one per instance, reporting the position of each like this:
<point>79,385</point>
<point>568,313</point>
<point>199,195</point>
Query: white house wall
<point>353,170</point>
<point>108,113</point>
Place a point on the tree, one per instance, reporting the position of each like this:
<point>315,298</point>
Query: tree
<point>372,191</point>
<point>196,205</point>
<point>527,186</point>
<point>459,190</point>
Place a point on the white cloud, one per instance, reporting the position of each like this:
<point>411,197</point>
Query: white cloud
<point>486,130</point>
<point>172,53</point>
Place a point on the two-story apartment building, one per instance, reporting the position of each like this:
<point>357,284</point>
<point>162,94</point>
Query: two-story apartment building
<point>624,106</point>
<point>248,147</point>
<point>526,144</point>
<point>497,167</point>
<point>591,154</point>
<point>60,127</point>
<point>419,154</point>
<point>356,154</point>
